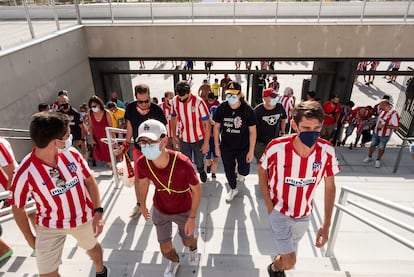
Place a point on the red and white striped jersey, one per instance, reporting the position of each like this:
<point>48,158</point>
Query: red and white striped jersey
<point>167,112</point>
<point>288,104</point>
<point>292,178</point>
<point>190,116</point>
<point>387,118</point>
<point>6,158</point>
<point>62,199</point>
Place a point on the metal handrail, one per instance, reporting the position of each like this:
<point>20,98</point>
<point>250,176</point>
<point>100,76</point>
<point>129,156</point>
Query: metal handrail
<point>111,141</point>
<point>341,208</point>
<point>6,213</point>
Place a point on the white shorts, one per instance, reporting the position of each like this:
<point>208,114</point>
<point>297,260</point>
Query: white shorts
<point>287,231</point>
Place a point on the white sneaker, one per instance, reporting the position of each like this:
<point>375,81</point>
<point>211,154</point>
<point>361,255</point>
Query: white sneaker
<point>193,257</point>
<point>136,211</point>
<point>241,178</point>
<point>171,269</point>
<point>367,159</point>
<point>377,164</point>
<point>232,193</point>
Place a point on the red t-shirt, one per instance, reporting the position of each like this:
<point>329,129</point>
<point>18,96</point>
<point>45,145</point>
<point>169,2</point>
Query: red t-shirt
<point>175,198</point>
<point>333,110</point>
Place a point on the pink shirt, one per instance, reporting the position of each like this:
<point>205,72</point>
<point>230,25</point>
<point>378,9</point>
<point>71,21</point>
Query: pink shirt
<point>292,178</point>
<point>6,158</point>
<point>387,118</point>
<point>190,115</point>
<point>62,200</point>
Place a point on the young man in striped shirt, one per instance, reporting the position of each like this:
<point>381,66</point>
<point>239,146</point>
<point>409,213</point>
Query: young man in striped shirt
<point>193,117</point>
<point>67,197</point>
<point>289,172</point>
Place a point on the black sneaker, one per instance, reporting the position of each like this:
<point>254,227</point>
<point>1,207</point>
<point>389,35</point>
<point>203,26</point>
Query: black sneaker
<point>209,169</point>
<point>275,273</point>
<point>213,175</point>
<point>203,176</point>
<point>104,273</point>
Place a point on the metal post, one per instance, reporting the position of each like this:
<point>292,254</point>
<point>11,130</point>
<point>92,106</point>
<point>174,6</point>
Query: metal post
<point>335,224</point>
<point>408,10</point>
<point>52,2</point>
<point>110,11</point>
<point>192,11</point>
<point>363,10</point>
<point>29,21</point>
<point>78,16</point>
<point>320,9</point>
<point>397,161</point>
<point>234,12</point>
<point>277,10</point>
<point>152,15</point>
<point>112,156</point>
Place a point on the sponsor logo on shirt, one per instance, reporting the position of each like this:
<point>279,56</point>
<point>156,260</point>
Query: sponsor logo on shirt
<point>300,182</point>
<point>64,188</point>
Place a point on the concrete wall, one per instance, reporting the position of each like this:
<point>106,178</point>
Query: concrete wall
<point>34,73</point>
<point>252,41</point>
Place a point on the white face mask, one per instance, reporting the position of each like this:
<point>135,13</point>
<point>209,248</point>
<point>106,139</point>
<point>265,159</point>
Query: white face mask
<point>68,144</point>
<point>151,151</point>
<point>95,109</point>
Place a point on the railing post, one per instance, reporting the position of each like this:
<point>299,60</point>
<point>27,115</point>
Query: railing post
<point>320,9</point>
<point>52,2</point>
<point>277,10</point>
<point>29,21</point>
<point>112,156</point>
<point>234,12</point>
<point>152,14</point>
<point>363,10</point>
<point>110,11</point>
<point>335,224</point>
<point>397,161</point>
<point>408,10</point>
<point>77,11</point>
<point>192,11</point>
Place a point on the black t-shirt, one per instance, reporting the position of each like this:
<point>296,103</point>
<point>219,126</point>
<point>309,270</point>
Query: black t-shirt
<point>135,118</point>
<point>75,121</point>
<point>268,122</point>
<point>235,125</point>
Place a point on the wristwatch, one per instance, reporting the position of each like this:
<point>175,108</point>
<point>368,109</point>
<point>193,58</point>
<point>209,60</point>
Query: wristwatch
<point>98,210</point>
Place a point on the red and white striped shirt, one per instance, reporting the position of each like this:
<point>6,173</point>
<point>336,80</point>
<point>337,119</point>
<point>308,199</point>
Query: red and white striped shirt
<point>292,178</point>
<point>62,199</point>
<point>190,116</point>
<point>167,112</point>
<point>288,104</point>
<point>387,118</point>
<point>6,158</point>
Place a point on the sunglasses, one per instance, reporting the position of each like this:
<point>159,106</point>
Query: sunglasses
<point>143,101</point>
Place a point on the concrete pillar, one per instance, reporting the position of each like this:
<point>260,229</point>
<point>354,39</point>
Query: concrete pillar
<point>105,82</point>
<point>338,80</point>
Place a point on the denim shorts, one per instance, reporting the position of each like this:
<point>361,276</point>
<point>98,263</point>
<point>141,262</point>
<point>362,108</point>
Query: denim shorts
<point>381,142</point>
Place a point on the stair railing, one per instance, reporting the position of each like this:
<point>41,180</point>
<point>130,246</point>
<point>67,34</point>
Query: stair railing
<point>341,208</point>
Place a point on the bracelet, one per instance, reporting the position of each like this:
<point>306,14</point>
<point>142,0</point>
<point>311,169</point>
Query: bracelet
<point>125,144</point>
<point>192,217</point>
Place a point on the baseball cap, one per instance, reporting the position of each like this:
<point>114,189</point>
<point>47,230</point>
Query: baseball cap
<point>233,88</point>
<point>152,129</point>
<point>269,92</point>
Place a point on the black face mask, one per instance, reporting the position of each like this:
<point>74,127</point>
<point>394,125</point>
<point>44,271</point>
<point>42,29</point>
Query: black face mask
<point>114,100</point>
<point>64,106</point>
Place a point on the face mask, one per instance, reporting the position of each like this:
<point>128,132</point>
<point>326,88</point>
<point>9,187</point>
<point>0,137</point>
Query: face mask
<point>64,106</point>
<point>232,99</point>
<point>68,144</point>
<point>151,151</point>
<point>114,100</point>
<point>309,138</point>
<point>170,102</point>
<point>95,109</point>
<point>82,114</point>
<point>273,102</point>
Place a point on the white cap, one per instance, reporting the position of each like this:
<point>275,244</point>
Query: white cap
<point>152,129</point>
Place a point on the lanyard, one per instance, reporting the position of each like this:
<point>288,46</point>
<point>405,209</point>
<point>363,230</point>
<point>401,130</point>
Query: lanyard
<point>167,187</point>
